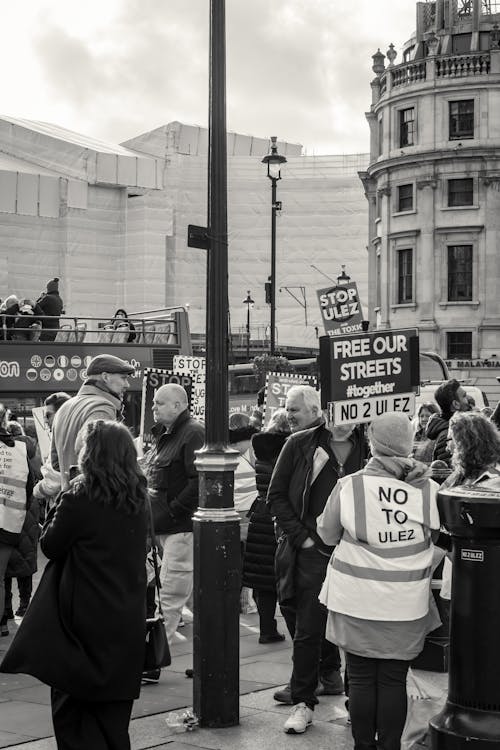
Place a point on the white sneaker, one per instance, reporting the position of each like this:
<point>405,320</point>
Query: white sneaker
<point>300,718</point>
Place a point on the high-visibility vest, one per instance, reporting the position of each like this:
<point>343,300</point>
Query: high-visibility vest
<point>245,488</point>
<point>13,477</point>
<point>382,567</point>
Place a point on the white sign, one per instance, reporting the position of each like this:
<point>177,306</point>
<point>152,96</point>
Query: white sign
<point>196,368</point>
<point>367,409</point>
<point>42,432</point>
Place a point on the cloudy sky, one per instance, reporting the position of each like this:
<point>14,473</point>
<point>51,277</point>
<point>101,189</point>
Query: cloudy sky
<point>298,69</point>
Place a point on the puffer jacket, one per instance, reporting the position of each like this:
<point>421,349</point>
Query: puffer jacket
<point>23,558</point>
<point>437,430</point>
<point>258,562</point>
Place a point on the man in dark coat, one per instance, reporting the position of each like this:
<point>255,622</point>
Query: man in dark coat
<point>173,485</point>
<point>308,467</point>
<point>50,303</point>
<point>450,397</point>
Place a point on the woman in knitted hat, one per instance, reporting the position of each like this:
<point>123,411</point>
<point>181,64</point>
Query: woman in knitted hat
<point>378,586</point>
<point>51,305</point>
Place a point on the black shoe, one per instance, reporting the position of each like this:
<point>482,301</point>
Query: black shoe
<point>151,676</point>
<point>331,685</point>
<point>273,638</point>
<point>189,673</point>
<point>21,610</point>
<point>4,629</point>
<point>284,696</point>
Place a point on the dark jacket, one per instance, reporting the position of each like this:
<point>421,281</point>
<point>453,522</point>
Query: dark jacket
<point>51,304</point>
<point>172,475</point>
<point>437,430</point>
<point>84,630</point>
<point>23,558</point>
<point>260,548</point>
<point>288,493</point>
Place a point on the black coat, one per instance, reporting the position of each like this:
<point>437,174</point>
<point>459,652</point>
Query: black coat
<point>51,304</point>
<point>23,558</point>
<point>258,563</point>
<point>437,430</point>
<point>84,630</point>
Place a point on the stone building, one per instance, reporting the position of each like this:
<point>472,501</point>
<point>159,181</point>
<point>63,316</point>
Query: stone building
<point>433,182</point>
<point>111,222</point>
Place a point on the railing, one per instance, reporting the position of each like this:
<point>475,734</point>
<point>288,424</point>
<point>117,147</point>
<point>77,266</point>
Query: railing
<point>146,331</point>
<point>458,66</point>
<point>408,73</point>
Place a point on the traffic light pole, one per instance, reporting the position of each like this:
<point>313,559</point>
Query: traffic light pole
<point>216,524</point>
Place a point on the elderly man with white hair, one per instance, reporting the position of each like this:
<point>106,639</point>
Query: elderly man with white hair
<point>308,468</point>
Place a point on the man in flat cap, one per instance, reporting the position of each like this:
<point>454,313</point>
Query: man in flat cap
<point>100,397</point>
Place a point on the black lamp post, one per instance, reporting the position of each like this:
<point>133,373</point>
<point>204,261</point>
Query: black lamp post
<point>343,278</point>
<point>274,162</point>
<point>249,303</point>
<point>216,527</point>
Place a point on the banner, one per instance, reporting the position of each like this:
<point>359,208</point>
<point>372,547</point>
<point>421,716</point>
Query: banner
<point>42,431</point>
<point>154,377</point>
<point>365,376</point>
<point>196,368</point>
<point>277,386</point>
<point>340,309</point>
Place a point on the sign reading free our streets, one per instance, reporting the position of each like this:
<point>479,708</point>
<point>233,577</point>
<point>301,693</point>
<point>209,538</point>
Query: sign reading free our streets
<point>366,375</point>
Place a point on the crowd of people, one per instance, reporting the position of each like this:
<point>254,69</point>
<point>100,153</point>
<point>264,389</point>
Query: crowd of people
<point>22,319</point>
<point>339,526</point>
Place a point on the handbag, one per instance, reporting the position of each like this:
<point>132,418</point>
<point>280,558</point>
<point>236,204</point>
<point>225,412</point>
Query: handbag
<point>424,702</point>
<point>157,652</point>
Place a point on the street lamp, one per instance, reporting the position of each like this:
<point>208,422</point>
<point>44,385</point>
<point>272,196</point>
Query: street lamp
<point>274,162</point>
<point>343,278</point>
<point>249,303</point>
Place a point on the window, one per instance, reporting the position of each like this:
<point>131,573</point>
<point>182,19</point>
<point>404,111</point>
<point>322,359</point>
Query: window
<point>405,197</point>
<point>405,276</point>
<point>459,345</point>
<point>460,273</point>
<point>380,136</point>
<point>461,192</point>
<point>461,119</point>
<point>461,43</point>
<point>407,127</point>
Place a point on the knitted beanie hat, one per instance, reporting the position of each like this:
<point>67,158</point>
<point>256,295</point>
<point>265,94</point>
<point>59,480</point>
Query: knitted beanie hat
<point>53,285</point>
<point>391,435</point>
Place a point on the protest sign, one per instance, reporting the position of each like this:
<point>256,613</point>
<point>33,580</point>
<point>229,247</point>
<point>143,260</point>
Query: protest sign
<point>153,378</point>
<point>277,386</point>
<point>366,375</point>
<point>42,432</point>
<point>196,368</point>
<point>340,309</point>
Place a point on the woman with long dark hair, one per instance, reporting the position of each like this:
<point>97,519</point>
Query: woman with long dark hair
<point>90,607</point>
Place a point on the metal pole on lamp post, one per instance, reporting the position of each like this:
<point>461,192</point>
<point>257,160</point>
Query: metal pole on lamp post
<point>274,161</point>
<point>249,303</point>
<point>216,527</point>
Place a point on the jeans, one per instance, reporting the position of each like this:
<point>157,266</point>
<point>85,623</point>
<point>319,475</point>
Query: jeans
<point>5,552</point>
<point>266,607</point>
<point>176,577</point>
<point>377,701</point>
<point>305,617</point>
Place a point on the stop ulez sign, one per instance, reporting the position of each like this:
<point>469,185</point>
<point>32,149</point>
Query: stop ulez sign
<point>340,309</point>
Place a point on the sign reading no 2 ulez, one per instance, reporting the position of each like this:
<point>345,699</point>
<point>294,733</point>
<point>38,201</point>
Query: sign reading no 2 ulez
<point>366,375</point>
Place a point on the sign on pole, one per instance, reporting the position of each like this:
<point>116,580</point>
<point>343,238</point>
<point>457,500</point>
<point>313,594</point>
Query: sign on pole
<point>366,375</point>
<point>196,368</point>
<point>277,386</point>
<point>153,378</point>
<point>341,309</point>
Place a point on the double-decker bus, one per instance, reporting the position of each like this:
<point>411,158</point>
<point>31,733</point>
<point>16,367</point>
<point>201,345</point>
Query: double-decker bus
<point>31,369</point>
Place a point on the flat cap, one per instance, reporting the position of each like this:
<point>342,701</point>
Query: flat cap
<point>109,363</point>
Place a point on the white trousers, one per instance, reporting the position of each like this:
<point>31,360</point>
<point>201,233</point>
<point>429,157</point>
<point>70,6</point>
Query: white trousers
<point>176,577</point>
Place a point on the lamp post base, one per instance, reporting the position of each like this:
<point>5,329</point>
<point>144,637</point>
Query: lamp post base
<point>217,575</point>
<point>460,728</point>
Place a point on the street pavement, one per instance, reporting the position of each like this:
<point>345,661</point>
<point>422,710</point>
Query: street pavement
<point>25,720</point>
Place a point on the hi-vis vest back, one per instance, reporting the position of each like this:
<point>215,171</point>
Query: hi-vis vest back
<point>245,489</point>
<point>382,566</point>
<point>13,477</point>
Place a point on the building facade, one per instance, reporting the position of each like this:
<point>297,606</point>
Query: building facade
<point>433,182</point>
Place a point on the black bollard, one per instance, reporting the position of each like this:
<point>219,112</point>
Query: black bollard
<point>471,716</point>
